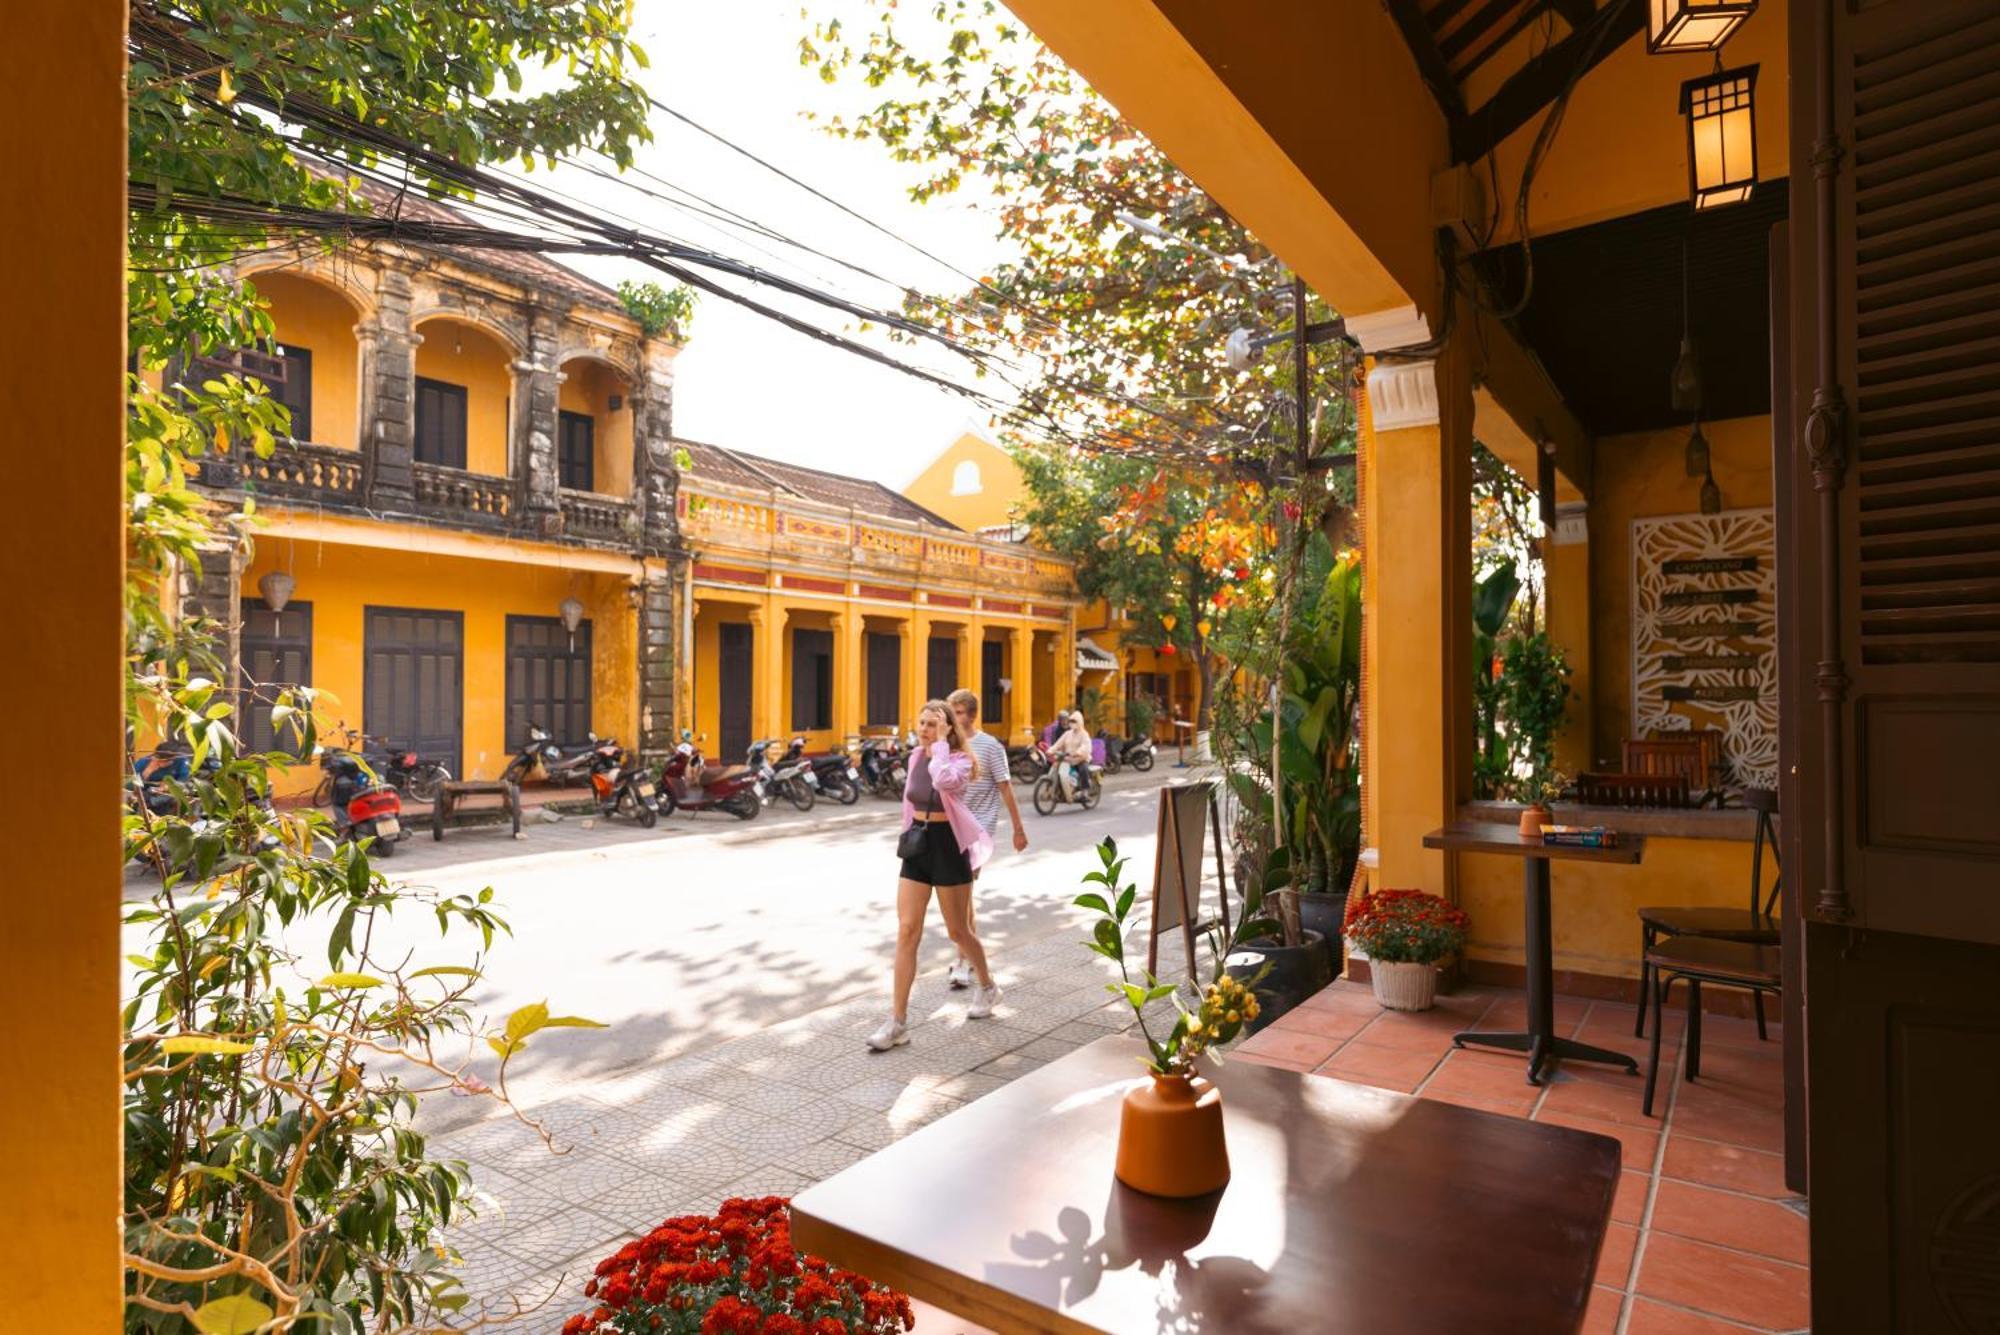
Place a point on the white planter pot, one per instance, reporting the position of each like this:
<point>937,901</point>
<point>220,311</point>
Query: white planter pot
<point>1403,986</point>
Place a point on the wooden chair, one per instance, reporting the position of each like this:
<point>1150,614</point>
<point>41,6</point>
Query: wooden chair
<point>1633,790</point>
<point>1755,925</point>
<point>1680,757</point>
<point>1710,742</point>
<point>1697,960</point>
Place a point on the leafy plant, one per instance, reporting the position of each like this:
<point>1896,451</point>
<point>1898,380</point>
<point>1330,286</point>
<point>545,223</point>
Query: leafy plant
<point>1140,713</point>
<point>659,310</point>
<point>1408,927</point>
<point>1219,1012</point>
<point>1493,598</point>
<point>1533,694</point>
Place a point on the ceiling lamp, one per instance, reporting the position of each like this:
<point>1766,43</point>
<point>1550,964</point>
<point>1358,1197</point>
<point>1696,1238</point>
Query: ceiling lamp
<point>1676,27</point>
<point>1722,136</point>
<point>1697,453</point>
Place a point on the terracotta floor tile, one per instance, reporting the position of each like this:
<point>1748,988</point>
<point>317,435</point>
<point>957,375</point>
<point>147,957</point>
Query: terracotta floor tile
<point>1752,1289</point>
<point>1614,1259</point>
<point>1640,1143</point>
<point>1261,1059</point>
<point>1506,1086</point>
<point>936,1321</point>
<point>1746,1223</point>
<point>1741,1031</point>
<point>1391,1068</point>
<point>1343,996</point>
<point>1651,1318</point>
<point>1731,1122</point>
<point>1410,1033</point>
<point>1718,1165</point>
<point>1505,1107</point>
<point>1629,1205</point>
<point>1328,1022</point>
<point>1601,1316</point>
<point>1609,1098</point>
<point>1290,1045</point>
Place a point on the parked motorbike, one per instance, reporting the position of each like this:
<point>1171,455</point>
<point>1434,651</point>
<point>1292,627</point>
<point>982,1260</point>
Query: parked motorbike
<point>687,783</point>
<point>407,772</point>
<point>1049,795</point>
<point>1110,751</point>
<point>616,785</point>
<point>1028,763</point>
<point>537,751</point>
<point>839,776</point>
<point>363,806</point>
<point>573,769</point>
<point>883,766</point>
<point>167,783</point>
<point>1139,753</point>
<point>791,774</point>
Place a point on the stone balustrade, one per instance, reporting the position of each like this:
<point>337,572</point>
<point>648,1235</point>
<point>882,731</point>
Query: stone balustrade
<point>458,494</point>
<point>299,471</point>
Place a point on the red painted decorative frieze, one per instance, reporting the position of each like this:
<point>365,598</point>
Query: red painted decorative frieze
<point>995,605</point>
<point>812,585</point>
<point>730,575</point>
<point>805,526</point>
<point>885,592</point>
<point>949,600</point>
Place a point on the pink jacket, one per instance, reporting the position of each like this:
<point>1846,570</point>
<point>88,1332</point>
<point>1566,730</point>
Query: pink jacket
<point>950,771</point>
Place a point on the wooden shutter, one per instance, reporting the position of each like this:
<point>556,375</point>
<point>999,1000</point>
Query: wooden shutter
<point>1916,334</point>
<point>885,679</point>
<point>812,680</point>
<point>576,452</point>
<point>440,423</point>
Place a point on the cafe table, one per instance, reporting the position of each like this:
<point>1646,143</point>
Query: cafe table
<point>1348,1209</point>
<point>1540,1040</point>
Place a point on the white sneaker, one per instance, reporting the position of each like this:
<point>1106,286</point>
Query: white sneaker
<point>893,1034</point>
<point>959,975</point>
<point>984,999</point>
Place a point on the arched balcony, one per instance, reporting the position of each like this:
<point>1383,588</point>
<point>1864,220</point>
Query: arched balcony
<point>594,428</point>
<point>464,397</point>
<point>318,365</point>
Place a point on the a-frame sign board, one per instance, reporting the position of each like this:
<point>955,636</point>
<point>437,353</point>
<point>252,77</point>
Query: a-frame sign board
<point>1185,808</point>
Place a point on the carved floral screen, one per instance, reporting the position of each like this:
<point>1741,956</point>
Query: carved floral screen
<point>1704,635</point>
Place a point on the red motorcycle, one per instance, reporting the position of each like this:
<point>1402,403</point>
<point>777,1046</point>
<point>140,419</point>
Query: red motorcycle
<point>363,806</point>
<point>688,783</point>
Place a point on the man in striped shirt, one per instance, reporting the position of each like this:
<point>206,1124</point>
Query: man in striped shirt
<point>991,785</point>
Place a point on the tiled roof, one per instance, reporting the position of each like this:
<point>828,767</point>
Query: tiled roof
<point>736,469</point>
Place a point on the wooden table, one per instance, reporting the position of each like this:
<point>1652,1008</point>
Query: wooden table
<point>1540,1040</point>
<point>1350,1209</point>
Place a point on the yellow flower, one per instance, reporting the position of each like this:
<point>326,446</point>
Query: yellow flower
<point>1234,1017</point>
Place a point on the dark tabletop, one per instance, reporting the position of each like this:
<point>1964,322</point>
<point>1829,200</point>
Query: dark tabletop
<point>1349,1209</point>
<point>1499,837</point>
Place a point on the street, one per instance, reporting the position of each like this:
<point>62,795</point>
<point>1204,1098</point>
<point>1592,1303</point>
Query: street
<point>738,967</point>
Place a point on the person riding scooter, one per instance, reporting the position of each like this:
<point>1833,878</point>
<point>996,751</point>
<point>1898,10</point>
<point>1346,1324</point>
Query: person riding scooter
<point>1071,752</point>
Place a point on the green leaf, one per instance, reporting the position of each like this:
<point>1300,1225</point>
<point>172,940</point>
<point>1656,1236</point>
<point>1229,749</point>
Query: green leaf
<point>237,1314</point>
<point>1093,902</point>
<point>1125,901</point>
<point>353,980</point>
<point>203,1045</point>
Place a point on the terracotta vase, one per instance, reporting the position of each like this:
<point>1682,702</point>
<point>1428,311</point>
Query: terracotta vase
<point>1533,818</point>
<point>1170,1139</point>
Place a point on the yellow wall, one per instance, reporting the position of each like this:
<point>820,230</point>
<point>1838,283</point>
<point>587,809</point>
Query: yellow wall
<point>314,316</point>
<point>463,354</point>
<point>587,388</point>
<point>340,581</point>
<point>59,984</point>
<point>1638,476</point>
<point>1001,489</point>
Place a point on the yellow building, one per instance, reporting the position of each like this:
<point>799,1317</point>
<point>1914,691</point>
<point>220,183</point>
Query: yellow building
<point>832,607</point>
<point>974,484</point>
<point>473,528</point>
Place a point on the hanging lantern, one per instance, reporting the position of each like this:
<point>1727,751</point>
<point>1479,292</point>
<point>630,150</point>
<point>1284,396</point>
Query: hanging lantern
<point>1168,620</point>
<point>571,612</point>
<point>1722,136</point>
<point>1676,27</point>
<point>1203,627</point>
<point>1711,496</point>
<point>276,589</point>
<point>1687,378</point>
<point>1697,453</point>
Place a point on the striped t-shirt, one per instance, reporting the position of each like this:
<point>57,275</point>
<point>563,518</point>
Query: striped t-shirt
<point>982,795</point>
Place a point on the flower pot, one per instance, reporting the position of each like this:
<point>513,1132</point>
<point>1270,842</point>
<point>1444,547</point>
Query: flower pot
<point>1533,818</point>
<point>1170,1139</point>
<point>1296,973</point>
<point>1403,986</point>
<point>1324,914</point>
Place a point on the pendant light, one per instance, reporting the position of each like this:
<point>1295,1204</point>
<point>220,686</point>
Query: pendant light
<point>1711,496</point>
<point>1721,111</point>
<point>1676,27</point>
<point>1697,453</point>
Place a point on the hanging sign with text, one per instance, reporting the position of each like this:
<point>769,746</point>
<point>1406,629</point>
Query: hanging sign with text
<point>1704,646</point>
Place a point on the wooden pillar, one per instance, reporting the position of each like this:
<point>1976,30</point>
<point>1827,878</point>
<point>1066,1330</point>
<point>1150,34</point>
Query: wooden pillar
<point>1566,585</point>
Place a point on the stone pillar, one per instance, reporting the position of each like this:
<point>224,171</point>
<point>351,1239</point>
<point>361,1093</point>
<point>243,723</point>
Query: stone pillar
<point>388,354</point>
<point>532,452</point>
<point>849,709</point>
<point>909,681</point>
<point>659,638</point>
<point>211,590</point>
<point>1417,630</point>
<point>656,480</point>
<point>1566,587</point>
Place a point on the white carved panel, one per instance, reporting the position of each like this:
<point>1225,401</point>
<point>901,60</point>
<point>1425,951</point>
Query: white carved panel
<point>1736,649</point>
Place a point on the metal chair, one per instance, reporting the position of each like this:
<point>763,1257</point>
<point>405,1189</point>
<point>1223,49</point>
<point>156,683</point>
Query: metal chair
<point>1757,925</point>
<point>1699,960</point>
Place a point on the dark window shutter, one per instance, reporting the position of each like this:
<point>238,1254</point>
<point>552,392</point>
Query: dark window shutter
<point>942,676</point>
<point>812,680</point>
<point>885,679</point>
<point>440,423</point>
<point>576,460</point>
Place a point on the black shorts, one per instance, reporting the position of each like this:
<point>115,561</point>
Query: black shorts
<point>942,862</point>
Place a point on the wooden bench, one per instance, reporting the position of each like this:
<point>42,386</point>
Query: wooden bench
<point>453,792</point>
<point>1633,790</point>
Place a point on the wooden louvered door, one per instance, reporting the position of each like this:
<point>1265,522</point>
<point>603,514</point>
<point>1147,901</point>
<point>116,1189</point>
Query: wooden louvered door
<point>1892,784</point>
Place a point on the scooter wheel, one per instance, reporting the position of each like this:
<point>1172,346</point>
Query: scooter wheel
<point>647,816</point>
<point>1091,792</point>
<point>849,792</point>
<point>382,848</point>
<point>745,806</point>
<point>801,793</point>
<point>1143,761</point>
<point>1045,795</point>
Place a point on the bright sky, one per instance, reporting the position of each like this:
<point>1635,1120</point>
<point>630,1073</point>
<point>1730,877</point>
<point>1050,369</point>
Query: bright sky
<point>745,381</point>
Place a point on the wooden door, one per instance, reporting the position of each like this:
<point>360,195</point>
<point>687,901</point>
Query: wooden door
<point>1891,788</point>
<point>734,689</point>
<point>885,680</point>
<point>548,680</point>
<point>412,686</point>
<point>993,700</point>
<point>941,675</point>
<point>275,650</point>
<point>812,680</point>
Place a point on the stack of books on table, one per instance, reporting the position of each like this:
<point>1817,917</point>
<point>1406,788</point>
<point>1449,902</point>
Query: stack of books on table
<point>1580,836</point>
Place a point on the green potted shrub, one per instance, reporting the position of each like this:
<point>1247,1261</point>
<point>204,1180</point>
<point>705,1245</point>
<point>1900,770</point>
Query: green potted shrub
<point>1405,933</point>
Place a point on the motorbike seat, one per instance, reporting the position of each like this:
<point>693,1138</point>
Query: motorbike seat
<point>714,774</point>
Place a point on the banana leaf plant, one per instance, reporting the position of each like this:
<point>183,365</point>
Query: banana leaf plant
<point>1492,603</point>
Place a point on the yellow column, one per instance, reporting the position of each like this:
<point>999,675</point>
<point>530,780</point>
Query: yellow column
<point>916,665</point>
<point>59,1081</point>
<point>909,681</point>
<point>1416,475</point>
<point>1566,572</point>
<point>847,704</point>
<point>1021,671</point>
<point>767,712</point>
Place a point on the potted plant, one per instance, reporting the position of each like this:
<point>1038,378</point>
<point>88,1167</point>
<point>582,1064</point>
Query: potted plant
<point>1405,933</point>
<point>1535,792</point>
<point>1170,1140</point>
<point>733,1271</point>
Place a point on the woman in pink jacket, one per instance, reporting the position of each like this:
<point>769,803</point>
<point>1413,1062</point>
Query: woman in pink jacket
<point>954,846</point>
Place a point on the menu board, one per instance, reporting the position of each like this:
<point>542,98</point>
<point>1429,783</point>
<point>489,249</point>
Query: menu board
<point>1704,635</point>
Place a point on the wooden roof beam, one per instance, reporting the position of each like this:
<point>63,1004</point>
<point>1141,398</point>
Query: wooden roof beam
<point>1539,82</point>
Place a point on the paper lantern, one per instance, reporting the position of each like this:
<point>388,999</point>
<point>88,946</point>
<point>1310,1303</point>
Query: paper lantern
<point>1676,27</point>
<point>1721,113</point>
